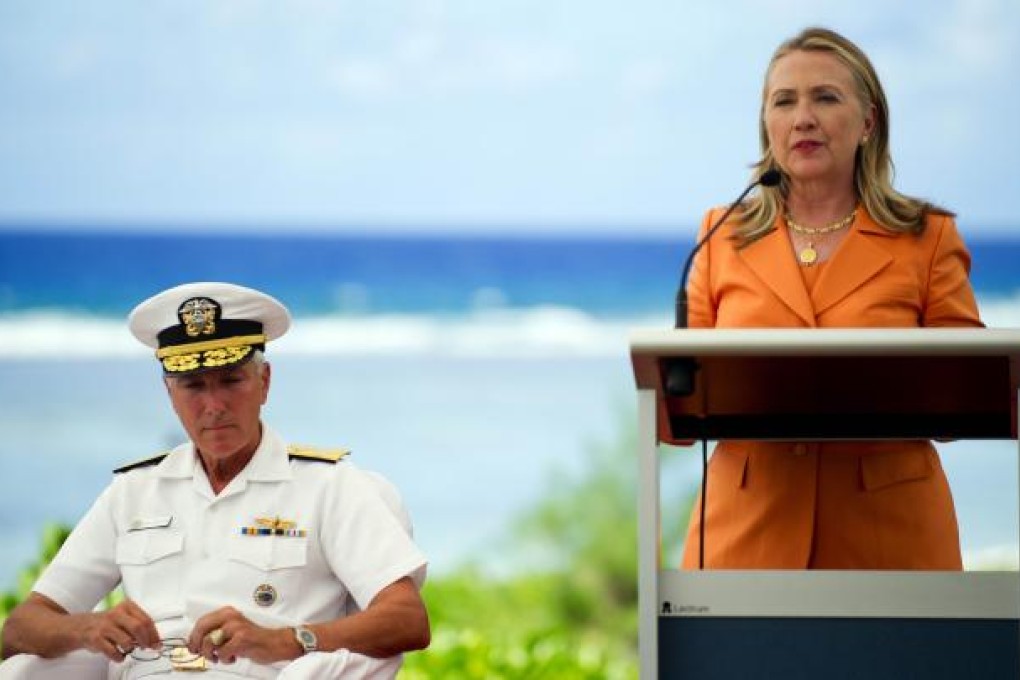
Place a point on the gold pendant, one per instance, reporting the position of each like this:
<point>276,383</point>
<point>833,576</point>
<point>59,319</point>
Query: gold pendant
<point>808,254</point>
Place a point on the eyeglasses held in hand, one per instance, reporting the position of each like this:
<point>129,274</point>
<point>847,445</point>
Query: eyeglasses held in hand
<point>175,649</point>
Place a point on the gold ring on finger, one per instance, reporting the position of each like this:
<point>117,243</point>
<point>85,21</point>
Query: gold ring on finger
<point>216,637</point>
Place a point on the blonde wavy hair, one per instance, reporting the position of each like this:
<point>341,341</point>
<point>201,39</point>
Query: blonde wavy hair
<point>873,166</point>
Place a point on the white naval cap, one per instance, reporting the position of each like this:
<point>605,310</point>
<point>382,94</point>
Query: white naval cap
<point>200,326</point>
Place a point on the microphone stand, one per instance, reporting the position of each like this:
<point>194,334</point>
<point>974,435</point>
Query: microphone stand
<point>680,373</point>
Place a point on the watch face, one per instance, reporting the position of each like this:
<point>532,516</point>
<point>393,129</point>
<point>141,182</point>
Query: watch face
<point>306,638</point>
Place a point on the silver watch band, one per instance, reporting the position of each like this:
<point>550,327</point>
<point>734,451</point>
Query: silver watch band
<point>306,638</point>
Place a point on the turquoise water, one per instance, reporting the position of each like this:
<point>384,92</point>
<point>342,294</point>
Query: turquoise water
<point>466,370</point>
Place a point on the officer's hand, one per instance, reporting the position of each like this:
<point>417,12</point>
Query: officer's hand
<point>240,638</point>
<point>115,632</point>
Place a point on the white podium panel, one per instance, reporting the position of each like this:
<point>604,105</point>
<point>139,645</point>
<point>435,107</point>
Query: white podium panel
<point>849,384</point>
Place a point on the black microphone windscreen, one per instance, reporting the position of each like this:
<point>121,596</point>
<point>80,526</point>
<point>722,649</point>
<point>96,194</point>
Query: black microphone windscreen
<point>770,178</point>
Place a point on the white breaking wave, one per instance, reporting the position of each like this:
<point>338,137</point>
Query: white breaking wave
<point>537,332</point>
<point>994,558</point>
<point>1001,312</point>
<point>56,334</point>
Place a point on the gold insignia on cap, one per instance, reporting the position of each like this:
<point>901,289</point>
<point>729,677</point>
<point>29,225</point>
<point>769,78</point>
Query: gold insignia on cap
<point>208,353</point>
<point>207,325</point>
<point>264,595</point>
<point>198,316</point>
<point>181,364</point>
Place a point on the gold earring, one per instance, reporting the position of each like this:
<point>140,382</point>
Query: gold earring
<point>864,140</point>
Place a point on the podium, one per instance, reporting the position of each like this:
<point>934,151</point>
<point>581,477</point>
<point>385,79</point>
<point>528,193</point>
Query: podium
<point>821,384</point>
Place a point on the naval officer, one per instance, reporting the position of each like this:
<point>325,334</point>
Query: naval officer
<point>239,555</point>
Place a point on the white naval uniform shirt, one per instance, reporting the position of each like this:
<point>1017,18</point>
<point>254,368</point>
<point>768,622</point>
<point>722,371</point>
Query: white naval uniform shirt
<point>180,552</point>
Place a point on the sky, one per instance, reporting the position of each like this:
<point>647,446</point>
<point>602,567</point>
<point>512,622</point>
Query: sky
<point>473,116</point>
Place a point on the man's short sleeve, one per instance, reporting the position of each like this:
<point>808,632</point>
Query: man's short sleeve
<point>84,570</point>
<point>366,544</point>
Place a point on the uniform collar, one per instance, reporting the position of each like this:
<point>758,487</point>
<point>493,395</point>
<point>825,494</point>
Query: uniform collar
<point>269,464</point>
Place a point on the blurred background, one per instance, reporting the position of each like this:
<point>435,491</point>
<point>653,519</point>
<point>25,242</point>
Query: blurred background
<point>480,117</point>
<point>467,206</point>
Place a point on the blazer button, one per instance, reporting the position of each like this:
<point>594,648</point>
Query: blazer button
<point>800,449</point>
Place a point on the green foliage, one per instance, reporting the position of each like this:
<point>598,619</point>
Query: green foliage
<point>573,614</point>
<point>469,655</point>
<point>53,536</point>
<point>516,628</point>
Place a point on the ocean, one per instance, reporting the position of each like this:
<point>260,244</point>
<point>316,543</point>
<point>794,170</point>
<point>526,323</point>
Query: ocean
<point>470,370</point>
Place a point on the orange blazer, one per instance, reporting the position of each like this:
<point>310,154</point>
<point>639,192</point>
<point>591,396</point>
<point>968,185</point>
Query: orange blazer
<point>881,505</point>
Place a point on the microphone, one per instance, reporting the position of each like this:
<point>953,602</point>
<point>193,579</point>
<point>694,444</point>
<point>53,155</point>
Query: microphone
<point>769,178</point>
<point>680,373</point>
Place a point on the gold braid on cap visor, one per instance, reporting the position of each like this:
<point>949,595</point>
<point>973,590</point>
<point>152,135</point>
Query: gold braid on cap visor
<point>208,354</point>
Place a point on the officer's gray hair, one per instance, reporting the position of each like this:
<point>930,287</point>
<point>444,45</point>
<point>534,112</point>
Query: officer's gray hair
<point>258,359</point>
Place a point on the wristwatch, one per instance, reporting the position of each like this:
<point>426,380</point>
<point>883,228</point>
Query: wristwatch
<point>306,638</point>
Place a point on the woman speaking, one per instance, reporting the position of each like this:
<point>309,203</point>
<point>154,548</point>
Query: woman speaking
<point>832,245</point>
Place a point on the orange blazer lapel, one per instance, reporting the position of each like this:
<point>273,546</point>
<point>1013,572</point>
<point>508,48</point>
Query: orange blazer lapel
<point>858,259</point>
<point>771,259</point>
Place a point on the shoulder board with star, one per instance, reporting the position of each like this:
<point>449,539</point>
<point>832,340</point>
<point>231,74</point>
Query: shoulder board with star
<point>145,462</point>
<point>315,454</point>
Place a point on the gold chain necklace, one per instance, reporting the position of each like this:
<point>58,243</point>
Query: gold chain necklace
<point>808,254</point>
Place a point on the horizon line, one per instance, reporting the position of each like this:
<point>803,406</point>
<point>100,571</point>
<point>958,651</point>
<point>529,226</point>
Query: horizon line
<point>426,228</point>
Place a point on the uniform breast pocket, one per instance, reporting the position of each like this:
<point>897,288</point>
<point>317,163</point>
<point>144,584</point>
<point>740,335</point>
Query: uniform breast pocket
<point>151,565</point>
<point>270,571</point>
<point>269,553</point>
